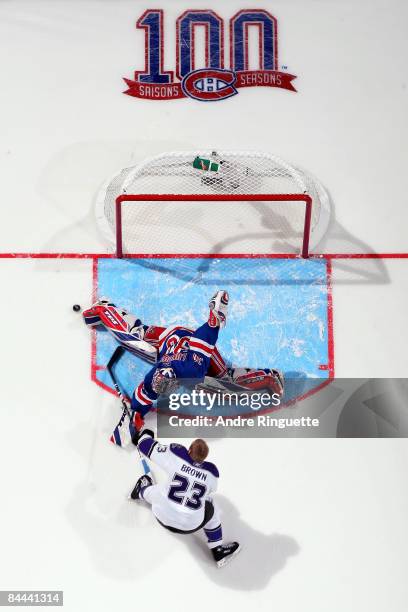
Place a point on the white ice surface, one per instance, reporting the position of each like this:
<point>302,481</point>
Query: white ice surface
<point>323,522</point>
<point>66,126</point>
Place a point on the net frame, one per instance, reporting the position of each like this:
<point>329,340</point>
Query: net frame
<point>134,183</point>
<point>143,197</point>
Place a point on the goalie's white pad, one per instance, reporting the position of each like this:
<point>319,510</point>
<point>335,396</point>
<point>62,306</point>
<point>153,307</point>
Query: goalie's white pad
<point>218,309</point>
<point>142,349</point>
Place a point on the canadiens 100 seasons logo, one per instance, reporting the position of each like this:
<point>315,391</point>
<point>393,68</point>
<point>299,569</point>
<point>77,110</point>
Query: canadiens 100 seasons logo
<point>215,81</point>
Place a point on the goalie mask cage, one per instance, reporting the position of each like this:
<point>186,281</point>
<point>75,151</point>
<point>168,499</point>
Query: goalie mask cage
<point>224,202</point>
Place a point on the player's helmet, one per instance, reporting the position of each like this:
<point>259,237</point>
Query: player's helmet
<point>164,381</point>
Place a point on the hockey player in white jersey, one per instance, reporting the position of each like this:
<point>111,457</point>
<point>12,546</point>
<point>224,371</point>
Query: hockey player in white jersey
<point>183,503</point>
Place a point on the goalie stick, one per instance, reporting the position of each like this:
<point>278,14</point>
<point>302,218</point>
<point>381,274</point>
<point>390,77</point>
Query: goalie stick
<point>117,354</point>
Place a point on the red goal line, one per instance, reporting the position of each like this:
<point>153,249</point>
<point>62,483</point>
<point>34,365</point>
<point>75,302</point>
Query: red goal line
<point>17,255</point>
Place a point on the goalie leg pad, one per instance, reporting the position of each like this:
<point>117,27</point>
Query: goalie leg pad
<point>217,367</point>
<point>218,309</point>
<point>271,381</point>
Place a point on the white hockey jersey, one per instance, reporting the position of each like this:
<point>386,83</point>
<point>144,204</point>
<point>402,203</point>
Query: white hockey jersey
<point>179,502</point>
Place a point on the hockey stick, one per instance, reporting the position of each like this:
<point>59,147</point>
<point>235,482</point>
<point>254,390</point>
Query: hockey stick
<point>117,354</point>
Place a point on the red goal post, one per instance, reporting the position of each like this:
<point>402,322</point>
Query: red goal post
<point>167,204</point>
<point>261,197</point>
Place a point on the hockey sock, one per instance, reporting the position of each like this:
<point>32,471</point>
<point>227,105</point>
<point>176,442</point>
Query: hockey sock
<point>214,536</point>
<point>142,492</point>
<point>206,333</point>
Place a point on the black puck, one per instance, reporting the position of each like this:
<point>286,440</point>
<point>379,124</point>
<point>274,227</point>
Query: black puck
<point>76,307</point>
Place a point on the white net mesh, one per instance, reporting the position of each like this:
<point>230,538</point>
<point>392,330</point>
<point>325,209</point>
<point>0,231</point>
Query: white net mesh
<point>212,227</point>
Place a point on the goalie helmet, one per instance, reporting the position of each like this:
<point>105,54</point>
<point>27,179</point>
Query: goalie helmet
<point>164,381</point>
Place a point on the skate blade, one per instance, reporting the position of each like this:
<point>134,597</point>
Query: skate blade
<point>228,559</point>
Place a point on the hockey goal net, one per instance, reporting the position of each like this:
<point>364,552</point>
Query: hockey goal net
<point>212,203</point>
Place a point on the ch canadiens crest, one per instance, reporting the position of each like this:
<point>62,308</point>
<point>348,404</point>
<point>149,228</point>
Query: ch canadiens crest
<point>215,81</point>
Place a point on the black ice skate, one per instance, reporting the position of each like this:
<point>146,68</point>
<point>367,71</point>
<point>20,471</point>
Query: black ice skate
<point>144,481</point>
<point>224,553</point>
